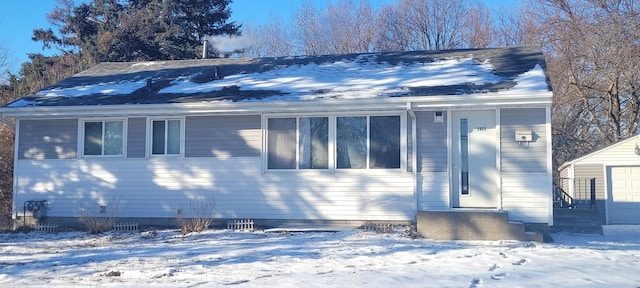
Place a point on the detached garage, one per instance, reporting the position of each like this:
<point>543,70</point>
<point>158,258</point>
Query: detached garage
<point>614,175</point>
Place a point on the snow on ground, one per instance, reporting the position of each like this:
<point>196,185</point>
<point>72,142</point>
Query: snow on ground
<point>220,258</point>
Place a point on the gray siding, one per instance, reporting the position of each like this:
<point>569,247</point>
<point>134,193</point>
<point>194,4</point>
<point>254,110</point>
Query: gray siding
<point>432,143</point>
<point>582,173</point>
<point>223,136</point>
<point>523,157</point>
<point>136,137</point>
<point>48,139</point>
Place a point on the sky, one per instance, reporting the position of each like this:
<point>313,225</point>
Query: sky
<point>19,18</point>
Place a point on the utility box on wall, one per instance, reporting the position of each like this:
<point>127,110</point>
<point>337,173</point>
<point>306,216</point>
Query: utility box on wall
<point>524,136</point>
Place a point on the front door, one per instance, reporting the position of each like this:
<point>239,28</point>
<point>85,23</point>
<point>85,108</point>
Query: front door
<point>475,173</point>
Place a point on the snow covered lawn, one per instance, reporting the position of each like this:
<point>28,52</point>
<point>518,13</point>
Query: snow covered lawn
<point>316,259</point>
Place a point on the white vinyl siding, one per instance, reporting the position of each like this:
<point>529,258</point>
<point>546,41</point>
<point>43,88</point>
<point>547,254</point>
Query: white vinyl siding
<point>524,179</point>
<point>433,176</point>
<point>622,153</point>
<point>159,186</point>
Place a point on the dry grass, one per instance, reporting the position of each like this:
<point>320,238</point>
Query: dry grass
<point>198,216</point>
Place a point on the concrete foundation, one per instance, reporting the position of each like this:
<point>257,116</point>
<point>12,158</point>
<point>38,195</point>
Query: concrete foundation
<point>474,225</point>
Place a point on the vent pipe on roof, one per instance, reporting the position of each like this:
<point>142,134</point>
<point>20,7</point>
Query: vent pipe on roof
<point>205,48</point>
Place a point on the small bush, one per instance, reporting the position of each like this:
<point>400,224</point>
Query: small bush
<point>197,217</point>
<point>99,219</point>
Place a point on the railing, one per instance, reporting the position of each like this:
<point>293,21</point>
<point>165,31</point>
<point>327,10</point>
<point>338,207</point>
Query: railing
<point>561,199</point>
<point>584,191</point>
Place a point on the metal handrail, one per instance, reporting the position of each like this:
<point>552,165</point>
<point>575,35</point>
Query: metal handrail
<point>562,199</point>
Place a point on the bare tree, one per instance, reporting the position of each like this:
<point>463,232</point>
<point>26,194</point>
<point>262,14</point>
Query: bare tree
<point>480,31</point>
<point>393,32</point>
<point>435,24</point>
<point>307,29</point>
<point>514,26</point>
<point>343,27</point>
<point>593,48</point>
<point>271,39</point>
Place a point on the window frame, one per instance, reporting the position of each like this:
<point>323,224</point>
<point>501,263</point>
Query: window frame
<point>149,136</point>
<point>332,141</point>
<point>297,144</point>
<point>81,137</point>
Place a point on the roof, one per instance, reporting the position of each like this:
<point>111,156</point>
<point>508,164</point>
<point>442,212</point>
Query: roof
<point>603,150</point>
<point>353,76</point>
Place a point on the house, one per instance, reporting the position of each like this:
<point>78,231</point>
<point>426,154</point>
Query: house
<point>363,137</point>
<point>607,180</point>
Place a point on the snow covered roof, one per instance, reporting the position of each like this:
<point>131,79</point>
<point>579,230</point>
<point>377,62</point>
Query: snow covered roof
<point>354,76</point>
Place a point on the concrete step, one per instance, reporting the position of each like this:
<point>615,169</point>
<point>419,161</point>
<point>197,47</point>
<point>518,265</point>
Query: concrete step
<point>580,229</point>
<point>472,225</point>
<point>587,221</point>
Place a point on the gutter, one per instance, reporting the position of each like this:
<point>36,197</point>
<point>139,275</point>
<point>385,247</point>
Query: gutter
<point>5,121</point>
<point>414,155</point>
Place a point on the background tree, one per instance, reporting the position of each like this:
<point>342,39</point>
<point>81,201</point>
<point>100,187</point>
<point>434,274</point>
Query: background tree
<point>6,146</point>
<point>592,48</point>
<point>117,30</point>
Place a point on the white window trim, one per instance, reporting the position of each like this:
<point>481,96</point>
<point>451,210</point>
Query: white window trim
<point>332,153</point>
<point>149,136</point>
<point>81,132</point>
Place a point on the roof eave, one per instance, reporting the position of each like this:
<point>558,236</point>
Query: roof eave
<point>574,161</point>
<point>251,107</point>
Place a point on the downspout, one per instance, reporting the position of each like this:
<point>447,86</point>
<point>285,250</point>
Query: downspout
<point>414,155</point>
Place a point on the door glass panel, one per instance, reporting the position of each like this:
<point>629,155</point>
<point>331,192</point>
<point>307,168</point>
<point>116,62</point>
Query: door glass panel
<point>464,156</point>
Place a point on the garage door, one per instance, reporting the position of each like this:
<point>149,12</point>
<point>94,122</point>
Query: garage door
<point>624,195</point>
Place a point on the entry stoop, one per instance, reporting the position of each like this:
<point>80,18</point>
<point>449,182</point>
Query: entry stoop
<point>472,225</point>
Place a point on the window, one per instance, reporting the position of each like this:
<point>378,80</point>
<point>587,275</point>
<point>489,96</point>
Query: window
<point>103,138</point>
<point>372,142</point>
<point>165,137</point>
<point>298,143</point>
<point>359,142</point>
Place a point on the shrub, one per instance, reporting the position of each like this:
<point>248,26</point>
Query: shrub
<point>197,217</point>
<point>99,219</point>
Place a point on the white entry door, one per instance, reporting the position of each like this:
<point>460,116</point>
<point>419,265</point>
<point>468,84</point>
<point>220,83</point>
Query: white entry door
<point>475,172</point>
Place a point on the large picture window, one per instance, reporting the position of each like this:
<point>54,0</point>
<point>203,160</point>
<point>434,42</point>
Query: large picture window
<point>165,138</point>
<point>103,138</point>
<point>359,142</point>
<point>298,143</point>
